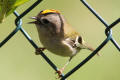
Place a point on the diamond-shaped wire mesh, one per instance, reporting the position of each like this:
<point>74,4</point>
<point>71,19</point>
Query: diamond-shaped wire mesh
<point>108,32</point>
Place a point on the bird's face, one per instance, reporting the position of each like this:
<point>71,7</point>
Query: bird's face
<point>49,22</point>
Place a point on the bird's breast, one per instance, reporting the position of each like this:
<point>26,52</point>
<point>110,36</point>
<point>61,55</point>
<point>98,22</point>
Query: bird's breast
<point>57,46</point>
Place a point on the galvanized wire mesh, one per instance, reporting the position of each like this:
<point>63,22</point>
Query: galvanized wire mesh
<point>108,32</point>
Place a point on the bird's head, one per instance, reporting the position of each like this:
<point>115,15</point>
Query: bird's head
<point>49,21</point>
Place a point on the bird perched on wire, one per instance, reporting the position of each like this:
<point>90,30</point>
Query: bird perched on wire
<point>58,36</point>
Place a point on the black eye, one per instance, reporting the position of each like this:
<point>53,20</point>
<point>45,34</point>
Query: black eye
<point>80,39</point>
<point>45,21</point>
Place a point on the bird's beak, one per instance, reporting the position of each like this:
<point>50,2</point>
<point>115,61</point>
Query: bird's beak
<point>33,22</point>
<point>34,18</point>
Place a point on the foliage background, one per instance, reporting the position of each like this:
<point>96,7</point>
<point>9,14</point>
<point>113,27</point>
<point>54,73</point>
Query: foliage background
<point>17,58</point>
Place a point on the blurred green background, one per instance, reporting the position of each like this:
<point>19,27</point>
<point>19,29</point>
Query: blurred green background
<point>19,62</point>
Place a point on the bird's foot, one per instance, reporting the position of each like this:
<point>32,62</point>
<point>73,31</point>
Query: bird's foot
<point>59,72</point>
<point>39,50</point>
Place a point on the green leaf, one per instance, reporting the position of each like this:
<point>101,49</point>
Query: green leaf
<point>19,2</point>
<point>8,6</point>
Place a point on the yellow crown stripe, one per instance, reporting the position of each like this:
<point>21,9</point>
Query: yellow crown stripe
<point>49,11</point>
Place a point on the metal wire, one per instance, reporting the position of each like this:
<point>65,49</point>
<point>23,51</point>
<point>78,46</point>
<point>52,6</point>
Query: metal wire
<point>89,57</point>
<point>101,19</point>
<point>108,32</point>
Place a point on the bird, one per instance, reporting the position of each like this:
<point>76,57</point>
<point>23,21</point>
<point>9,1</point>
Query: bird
<point>57,36</point>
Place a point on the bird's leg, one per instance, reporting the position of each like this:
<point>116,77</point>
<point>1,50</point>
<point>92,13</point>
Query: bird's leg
<point>60,71</point>
<point>38,50</point>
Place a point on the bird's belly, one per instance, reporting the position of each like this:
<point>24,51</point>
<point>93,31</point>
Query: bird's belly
<point>58,47</point>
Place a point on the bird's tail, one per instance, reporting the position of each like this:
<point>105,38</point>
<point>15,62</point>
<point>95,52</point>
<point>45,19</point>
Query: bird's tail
<point>90,48</point>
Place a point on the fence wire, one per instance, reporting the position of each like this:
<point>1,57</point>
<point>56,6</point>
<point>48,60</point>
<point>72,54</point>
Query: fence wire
<point>108,32</point>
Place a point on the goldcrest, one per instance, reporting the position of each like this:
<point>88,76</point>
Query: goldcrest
<point>58,36</point>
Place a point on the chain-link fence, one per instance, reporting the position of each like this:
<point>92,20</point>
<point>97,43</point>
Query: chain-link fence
<point>108,32</point>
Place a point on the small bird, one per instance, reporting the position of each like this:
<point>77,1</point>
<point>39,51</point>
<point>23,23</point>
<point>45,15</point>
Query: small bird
<point>58,36</point>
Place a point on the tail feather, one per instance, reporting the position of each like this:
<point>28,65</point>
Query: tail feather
<point>90,48</point>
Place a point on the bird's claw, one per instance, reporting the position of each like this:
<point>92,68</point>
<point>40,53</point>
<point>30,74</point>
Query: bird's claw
<point>59,72</point>
<point>39,50</point>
